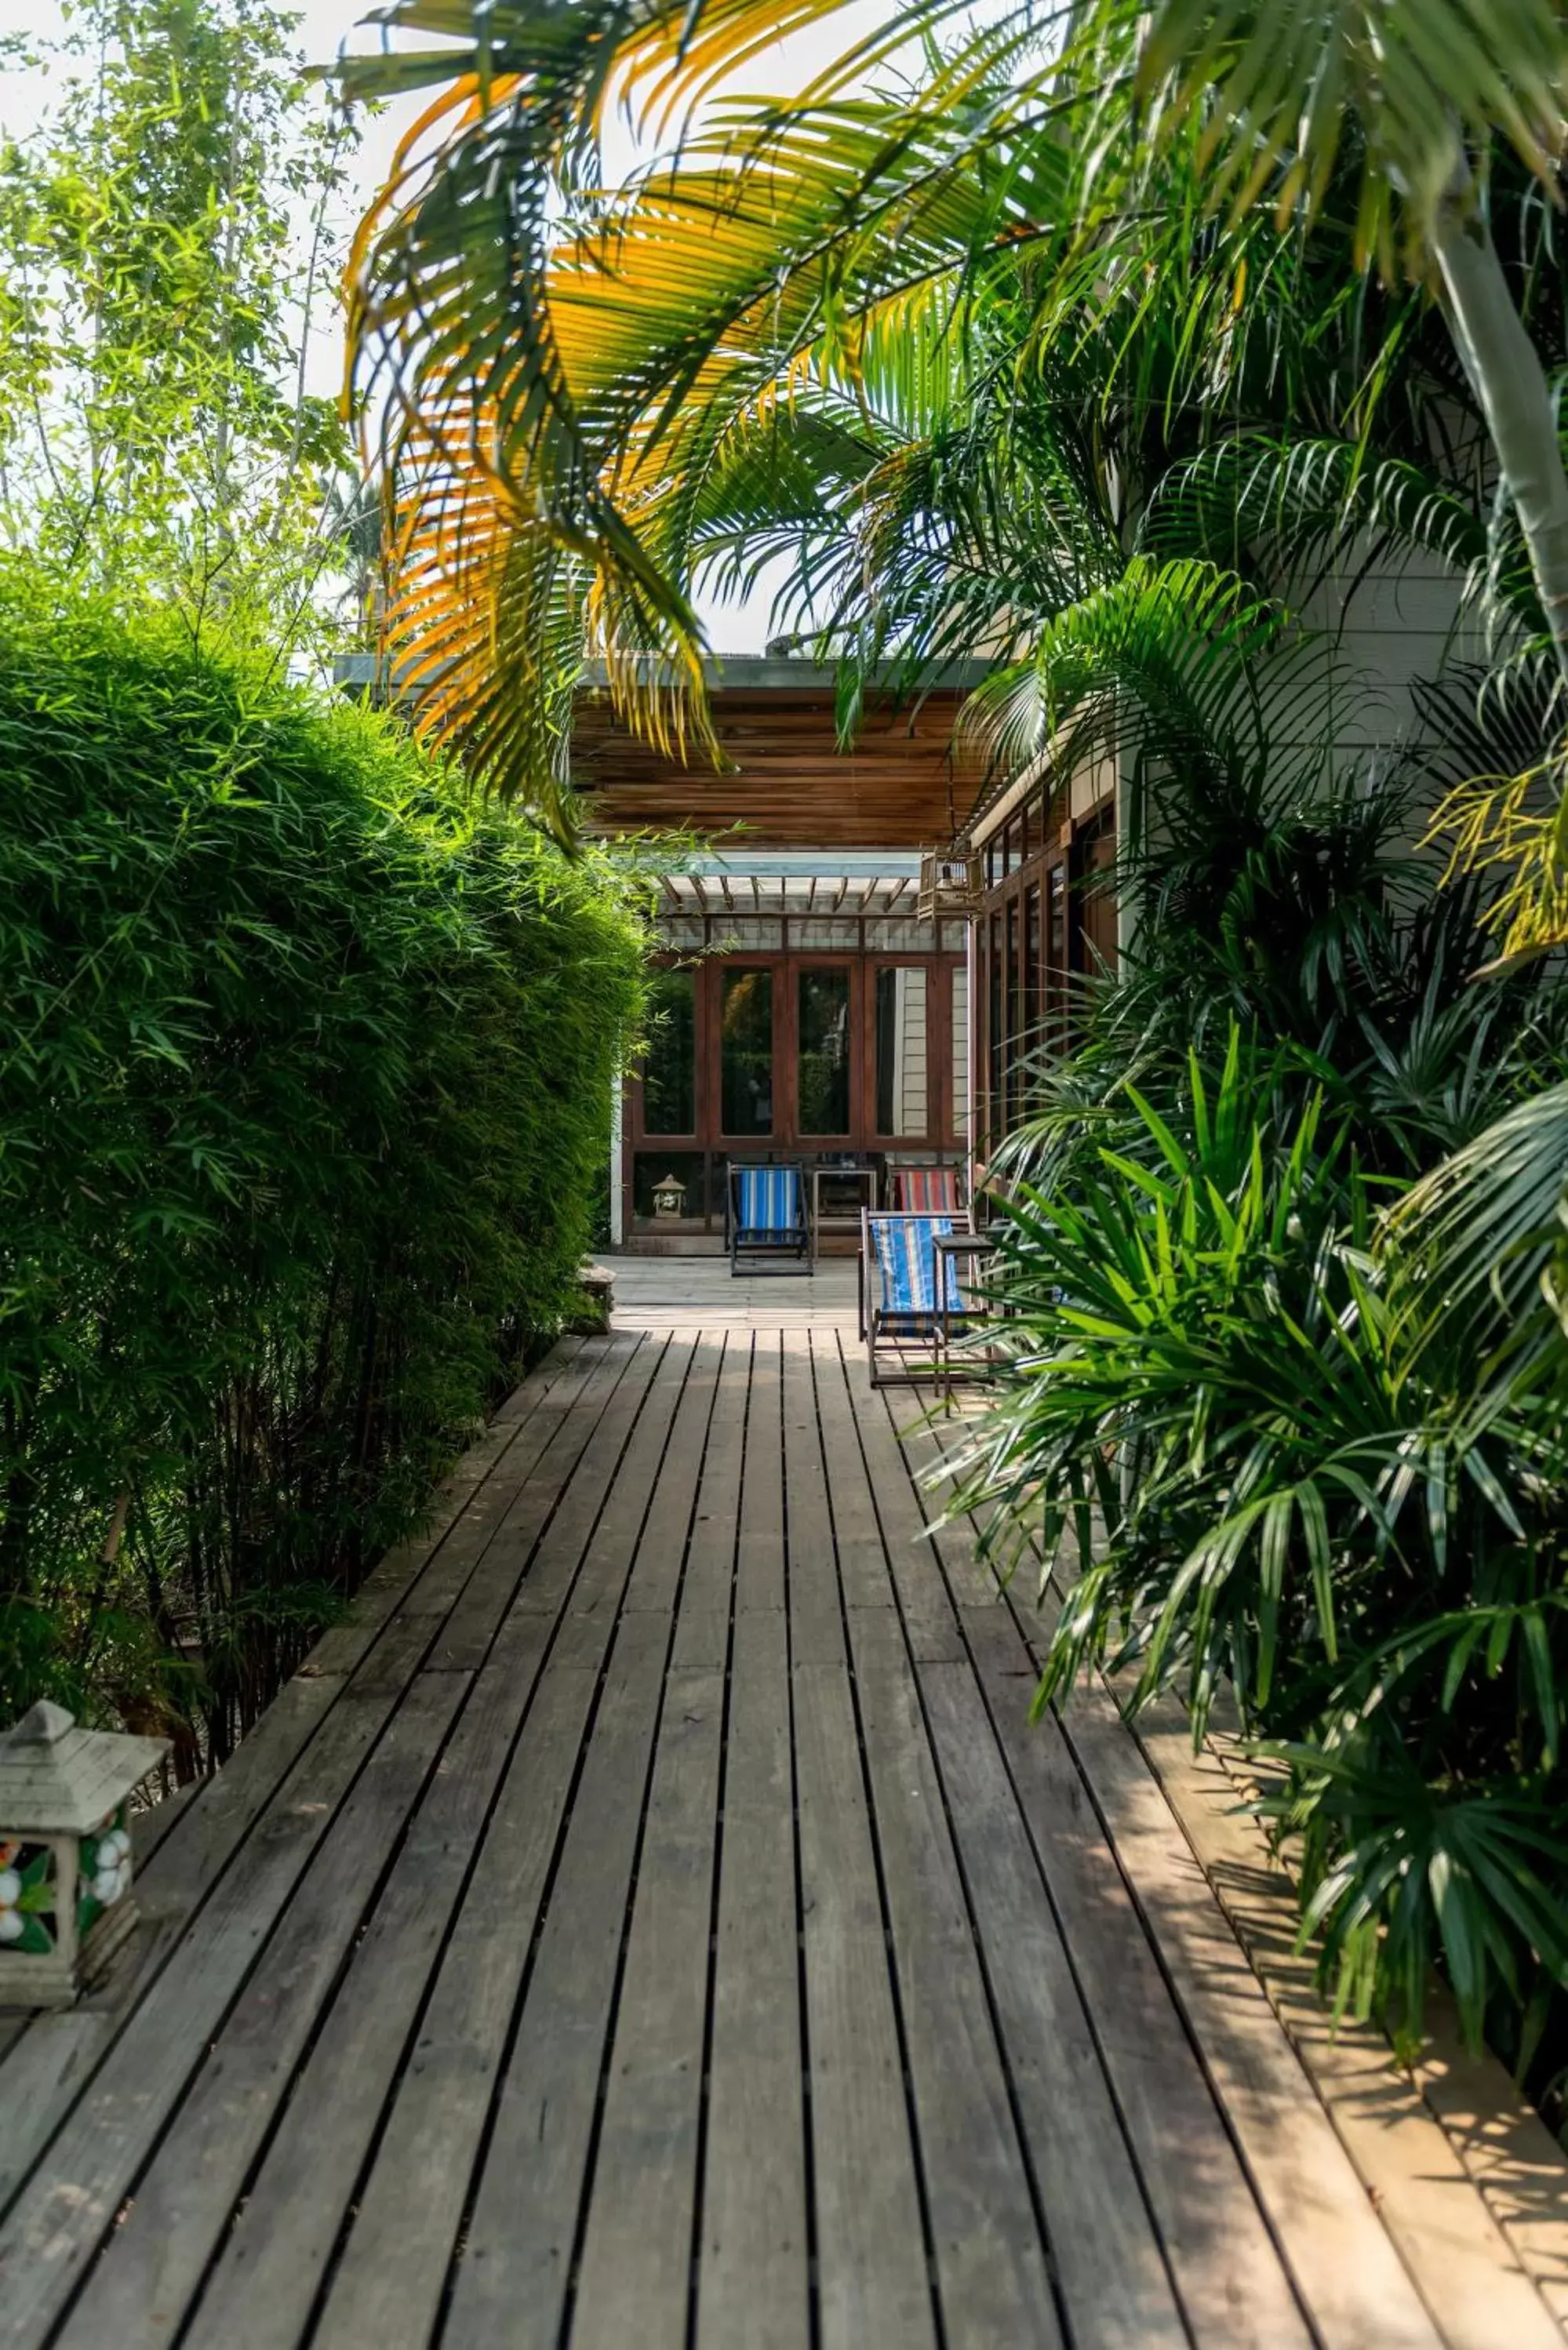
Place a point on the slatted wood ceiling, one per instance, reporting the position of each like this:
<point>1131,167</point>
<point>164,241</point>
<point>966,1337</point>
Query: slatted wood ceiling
<point>901,785</point>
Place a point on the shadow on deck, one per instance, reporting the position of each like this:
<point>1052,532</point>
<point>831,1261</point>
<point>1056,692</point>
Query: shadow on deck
<point>651,1921</point>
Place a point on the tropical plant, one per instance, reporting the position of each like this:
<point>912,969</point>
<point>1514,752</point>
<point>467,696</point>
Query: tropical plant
<point>716,359</point>
<point>1218,1404</point>
<point>1265,1421</point>
<point>304,1103</point>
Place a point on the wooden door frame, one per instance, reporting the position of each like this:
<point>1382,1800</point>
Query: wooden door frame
<point>941,1135</point>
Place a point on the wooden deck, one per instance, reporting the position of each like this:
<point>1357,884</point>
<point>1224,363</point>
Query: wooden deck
<point>650,1923</point>
<point>683,1294</point>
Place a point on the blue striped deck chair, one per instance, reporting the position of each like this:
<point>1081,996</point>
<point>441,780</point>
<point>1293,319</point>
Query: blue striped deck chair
<point>766,1216</point>
<point>898,1306</point>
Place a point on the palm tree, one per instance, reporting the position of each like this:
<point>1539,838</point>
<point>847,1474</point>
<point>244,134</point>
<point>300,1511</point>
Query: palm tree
<point>1431,86</point>
<point>571,373</point>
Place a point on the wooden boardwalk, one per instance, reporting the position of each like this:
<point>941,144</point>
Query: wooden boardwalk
<point>650,1923</point>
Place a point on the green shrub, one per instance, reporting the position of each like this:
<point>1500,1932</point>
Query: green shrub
<point>1232,1402</point>
<point>305,1097</point>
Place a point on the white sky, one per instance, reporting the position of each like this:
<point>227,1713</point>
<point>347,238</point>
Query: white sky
<point>324,26</point>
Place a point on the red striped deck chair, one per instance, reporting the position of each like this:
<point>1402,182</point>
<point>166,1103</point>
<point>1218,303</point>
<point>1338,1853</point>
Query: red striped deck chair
<point>926,1190</point>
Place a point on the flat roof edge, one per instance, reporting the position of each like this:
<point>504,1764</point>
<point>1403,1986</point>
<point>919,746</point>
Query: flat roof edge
<point>744,672</point>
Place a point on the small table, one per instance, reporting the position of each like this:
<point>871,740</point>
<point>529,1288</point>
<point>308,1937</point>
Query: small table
<point>861,1180</point>
<point>950,1247</point>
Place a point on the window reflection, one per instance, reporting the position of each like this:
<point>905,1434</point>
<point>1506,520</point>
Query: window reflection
<point>902,1075</point>
<point>746,1053</point>
<point>670,1072</point>
<point>823,1051</point>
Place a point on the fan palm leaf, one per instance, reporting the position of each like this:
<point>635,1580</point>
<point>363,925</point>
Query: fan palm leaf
<point>1476,1237</point>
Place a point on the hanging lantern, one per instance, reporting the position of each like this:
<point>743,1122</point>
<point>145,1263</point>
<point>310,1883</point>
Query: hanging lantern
<point>670,1196</point>
<point>950,881</point>
<point>65,1853</point>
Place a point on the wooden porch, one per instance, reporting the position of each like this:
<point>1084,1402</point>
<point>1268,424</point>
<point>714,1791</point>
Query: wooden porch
<point>651,1920</point>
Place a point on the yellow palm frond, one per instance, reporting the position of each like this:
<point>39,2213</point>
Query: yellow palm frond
<point>531,350</point>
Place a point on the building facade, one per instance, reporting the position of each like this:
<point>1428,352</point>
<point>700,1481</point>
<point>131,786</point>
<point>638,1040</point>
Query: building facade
<point>807,1006</point>
<point>803,1010</point>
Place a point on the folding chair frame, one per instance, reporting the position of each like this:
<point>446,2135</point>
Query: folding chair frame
<point>802,1247</point>
<point>875,1315</point>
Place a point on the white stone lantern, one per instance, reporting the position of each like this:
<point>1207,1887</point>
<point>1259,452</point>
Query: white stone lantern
<point>670,1196</point>
<point>65,1853</point>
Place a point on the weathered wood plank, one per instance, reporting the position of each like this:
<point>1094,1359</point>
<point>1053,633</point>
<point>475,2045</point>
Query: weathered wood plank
<point>862,1570</point>
<point>272,2264</point>
<point>358,2064</point>
<point>514,2264</point>
<point>760,1554</point>
<point>862,1421</point>
<point>1470,2277</point>
<point>389,2282</point>
<point>626,1530</point>
<point>990,2261</point>
<point>48,2060</point>
<point>1343,2263</point>
<point>1228,2272</point>
<point>58,2220</point>
<point>753,2286</point>
<point>149,1828</point>
<point>558,1507</point>
<point>426,1579</point>
<point>1230,2277</point>
<point>635,2274</point>
<point>1111,2268</point>
<point>815,1615</point>
<point>1506,2147</point>
<point>927,1447</point>
<point>661,1551</point>
<point>395,2259</point>
<point>452,1500</point>
<point>707,1590</point>
<point>54,2059</point>
<point>873,2281</point>
<point>137,2296</point>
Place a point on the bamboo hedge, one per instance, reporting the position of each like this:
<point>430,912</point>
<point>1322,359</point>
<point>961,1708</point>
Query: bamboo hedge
<point>306,1077</point>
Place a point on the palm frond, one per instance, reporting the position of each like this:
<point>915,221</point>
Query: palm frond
<point>543,343</point>
<point>1274,89</point>
<point>1309,507</point>
<point>1174,667</point>
<point>1475,1237</point>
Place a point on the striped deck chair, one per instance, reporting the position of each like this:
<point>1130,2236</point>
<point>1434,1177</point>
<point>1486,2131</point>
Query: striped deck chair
<point>898,1309</point>
<point>767,1216</point>
<point>926,1190</point>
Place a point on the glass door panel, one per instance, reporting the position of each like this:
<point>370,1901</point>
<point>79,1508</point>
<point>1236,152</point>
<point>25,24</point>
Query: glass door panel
<point>901,1061</point>
<point>670,1071</point>
<point>1057,954</point>
<point>993,1030</point>
<point>822,1049</point>
<point>1015,1017</point>
<point>746,1052</point>
<point>1033,969</point>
